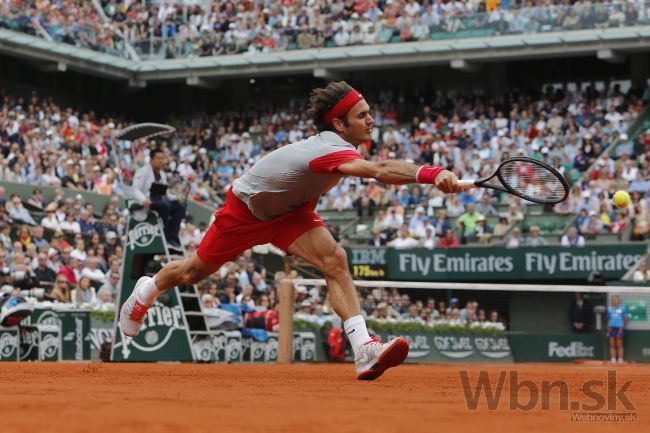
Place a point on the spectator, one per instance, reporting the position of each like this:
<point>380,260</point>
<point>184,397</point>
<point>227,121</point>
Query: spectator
<point>514,215</point>
<point>36,200</point>
<point>365,206</point>
<point>621,223</point>
<point>378,238</point>
<point>573,239</point>
<point>38,239</point>
<point>580,314</point>
<point>515,240</point>
<point>403,241</point>
<point>642,275</point>
<point>93,272</point>
<point>484,207</point>
<point>502,227</point>
<point>44,275</point>
<point>483,231</point>
<point>394,220</point>
<point>429,240</point>
<point>416,220</point>
<point>384,313</point>
<point>70,225</point>
<point>104,299</point>
<point>467,221</point>
<point>86,225</point>
<point>111,285</point>
<point>61,290</point>
<point>441,223</point>
<point>84,293</point>
<point>534,239</point>
<point>449,240</point>
<point>18,213</point>
<point>593,225</point>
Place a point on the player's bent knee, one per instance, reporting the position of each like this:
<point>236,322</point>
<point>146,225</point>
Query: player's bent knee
<point>336,263</point>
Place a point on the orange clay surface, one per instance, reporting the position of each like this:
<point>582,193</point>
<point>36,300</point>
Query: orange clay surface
<point>305,398</point>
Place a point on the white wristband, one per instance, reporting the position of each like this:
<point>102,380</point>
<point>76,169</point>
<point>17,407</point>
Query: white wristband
<point>417,174</point>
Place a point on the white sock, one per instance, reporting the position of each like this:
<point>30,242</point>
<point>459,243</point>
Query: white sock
<point>612,360</point>
<point>355,329</point>
<point>148,294</point>
<point>620,359</point>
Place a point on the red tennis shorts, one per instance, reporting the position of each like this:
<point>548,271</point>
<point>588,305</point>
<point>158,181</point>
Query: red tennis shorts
<point>235,229</point>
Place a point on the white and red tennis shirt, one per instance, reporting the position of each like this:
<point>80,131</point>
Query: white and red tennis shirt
<point>293,175</point>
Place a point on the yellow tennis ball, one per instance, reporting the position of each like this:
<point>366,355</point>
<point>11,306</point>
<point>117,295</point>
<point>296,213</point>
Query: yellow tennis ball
<point>621,199</point>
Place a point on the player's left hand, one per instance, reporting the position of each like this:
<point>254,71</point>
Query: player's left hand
<point>447,181</point>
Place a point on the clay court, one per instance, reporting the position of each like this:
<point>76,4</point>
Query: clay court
<point>75,397</point>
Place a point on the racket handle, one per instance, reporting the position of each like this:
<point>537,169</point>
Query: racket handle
<point>469,183</point>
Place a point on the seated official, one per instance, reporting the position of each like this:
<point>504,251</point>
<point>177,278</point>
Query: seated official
<point>148,187</point>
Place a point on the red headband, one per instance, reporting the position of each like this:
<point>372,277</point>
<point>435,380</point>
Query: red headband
<point>343,106</point>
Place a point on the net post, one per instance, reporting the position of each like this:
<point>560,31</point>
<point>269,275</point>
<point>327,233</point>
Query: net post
<point>285,338</point>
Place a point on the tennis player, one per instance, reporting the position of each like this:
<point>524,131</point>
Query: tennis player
<point>618,316</point>
<point>274,202</point>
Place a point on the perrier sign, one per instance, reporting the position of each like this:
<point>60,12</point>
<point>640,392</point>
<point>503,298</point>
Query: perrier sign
<point>164,335</point>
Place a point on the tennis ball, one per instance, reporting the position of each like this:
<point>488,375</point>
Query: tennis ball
<point>621,199</point>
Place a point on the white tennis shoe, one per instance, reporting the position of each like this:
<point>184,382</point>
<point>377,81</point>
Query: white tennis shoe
<point>133,311</point>
<point>375,357</point>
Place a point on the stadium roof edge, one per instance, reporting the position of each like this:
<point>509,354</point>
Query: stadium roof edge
<point>479,49</point>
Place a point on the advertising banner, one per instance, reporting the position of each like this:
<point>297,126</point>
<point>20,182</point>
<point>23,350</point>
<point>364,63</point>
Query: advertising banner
<point>494,264</point>
<point>529,347</point>
<point>8,344</point>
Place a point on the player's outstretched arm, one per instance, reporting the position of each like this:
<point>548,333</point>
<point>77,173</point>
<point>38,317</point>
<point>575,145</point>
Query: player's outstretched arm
<point>399,173</point>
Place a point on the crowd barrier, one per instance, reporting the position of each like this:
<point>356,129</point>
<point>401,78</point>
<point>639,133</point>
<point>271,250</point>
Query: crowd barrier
<point>78,335</point>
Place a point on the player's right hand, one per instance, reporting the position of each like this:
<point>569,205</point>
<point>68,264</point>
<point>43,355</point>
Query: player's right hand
<point>447,181</point>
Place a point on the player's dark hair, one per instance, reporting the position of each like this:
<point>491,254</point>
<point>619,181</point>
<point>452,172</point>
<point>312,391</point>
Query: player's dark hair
<point>322,100</point>
<point>155,151</point>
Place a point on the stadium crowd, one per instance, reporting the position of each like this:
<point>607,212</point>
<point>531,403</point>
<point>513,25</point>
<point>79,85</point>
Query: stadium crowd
<point>180,29</point>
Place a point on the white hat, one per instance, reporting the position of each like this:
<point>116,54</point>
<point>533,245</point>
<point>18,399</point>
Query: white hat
<point>419,209</point>
<point>623,136</point>
<point>77,255</point>
<point>111,235</point>
<point>592,213</point>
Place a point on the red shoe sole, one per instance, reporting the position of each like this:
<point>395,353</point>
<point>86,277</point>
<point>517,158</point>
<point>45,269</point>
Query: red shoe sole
<point>392,357</point>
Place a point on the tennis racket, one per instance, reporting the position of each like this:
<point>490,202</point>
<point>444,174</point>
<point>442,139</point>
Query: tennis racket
<point>527,178</point>
<point>143,131</point>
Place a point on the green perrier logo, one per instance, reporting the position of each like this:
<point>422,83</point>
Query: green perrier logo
<point>142,235</point>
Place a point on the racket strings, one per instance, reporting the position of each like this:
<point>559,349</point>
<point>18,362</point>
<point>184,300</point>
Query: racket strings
<point>532,181</point>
